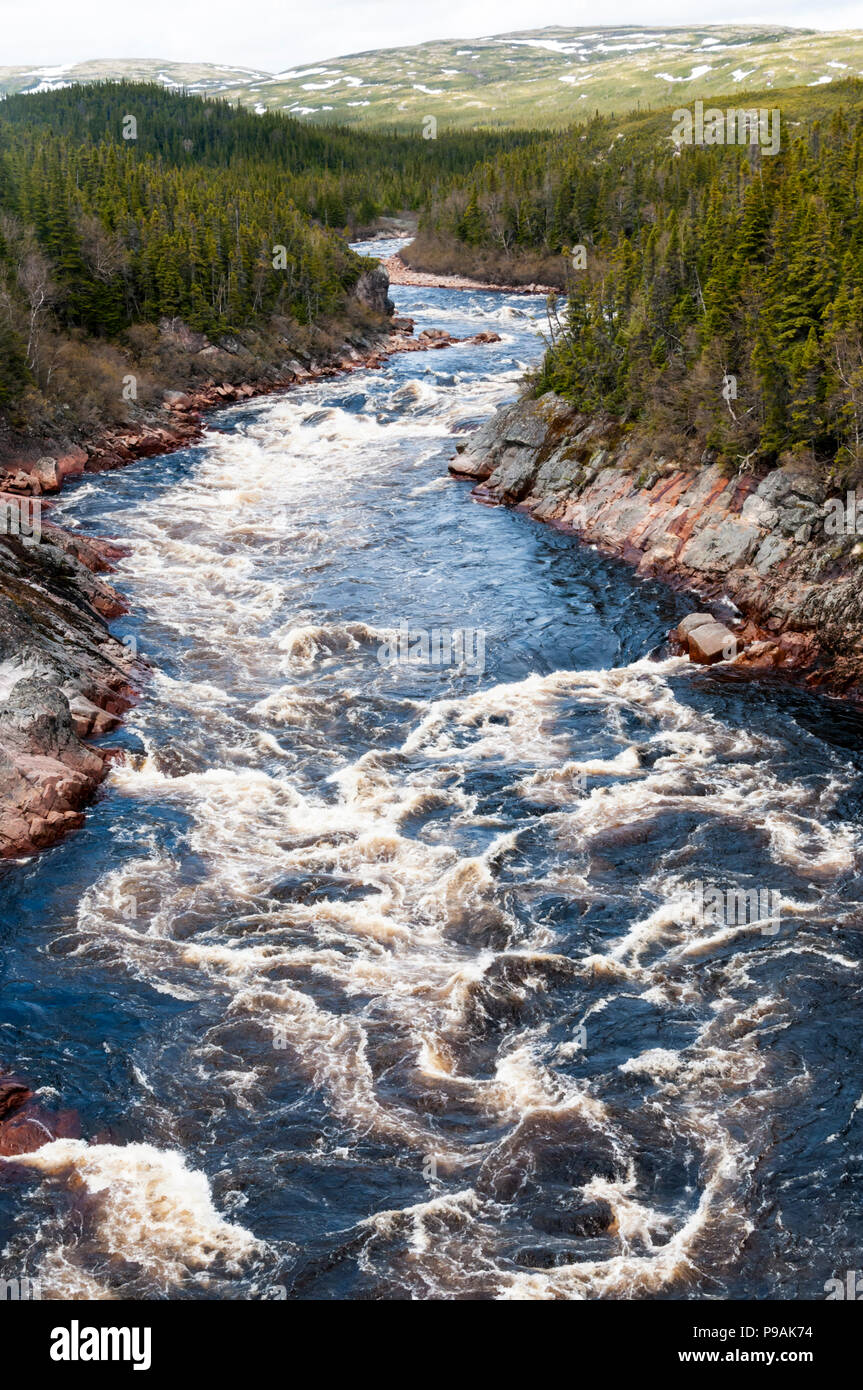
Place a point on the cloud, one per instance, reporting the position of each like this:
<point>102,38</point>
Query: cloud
<point>274,35</point>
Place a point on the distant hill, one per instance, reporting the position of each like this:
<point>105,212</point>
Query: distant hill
<point>541,76</point>
<point>205,79</point>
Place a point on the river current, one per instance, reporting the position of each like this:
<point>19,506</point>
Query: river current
<point>373,971</point>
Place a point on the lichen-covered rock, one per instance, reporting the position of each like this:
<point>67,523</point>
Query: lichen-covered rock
<point>718,548</point>
<point>529,426</point>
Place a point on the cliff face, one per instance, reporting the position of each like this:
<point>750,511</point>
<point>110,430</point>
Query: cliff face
<point>372,290</point>
<point>763,542</point>
<point>63,678</point>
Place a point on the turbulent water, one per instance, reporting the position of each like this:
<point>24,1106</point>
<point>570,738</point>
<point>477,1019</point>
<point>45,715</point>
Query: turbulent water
<point>379,978</point>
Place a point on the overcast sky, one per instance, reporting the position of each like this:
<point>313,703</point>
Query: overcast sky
<point>278,34</point>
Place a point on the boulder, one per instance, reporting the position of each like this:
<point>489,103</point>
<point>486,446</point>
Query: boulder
<point>45,470</point>
<point>26,1125</point>
<point>528,425</point>
<point>721,547</point>
<point>692,621</point>
<point>787,483</point>
<point>706,640</point>
<point>71,464</point>
<point>372,290</point>
<point>46,773</point>
<point>35,718</point>
<point>88,720</point>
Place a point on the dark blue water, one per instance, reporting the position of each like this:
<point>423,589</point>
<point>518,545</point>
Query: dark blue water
<point>378,978</point>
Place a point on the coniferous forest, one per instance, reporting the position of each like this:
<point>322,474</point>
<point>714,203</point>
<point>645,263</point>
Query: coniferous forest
<point>122,204</point>
<point>699,265</point>
<point>718,294</point>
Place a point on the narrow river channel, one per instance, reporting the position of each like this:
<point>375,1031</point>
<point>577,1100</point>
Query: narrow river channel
<point>372,977</point>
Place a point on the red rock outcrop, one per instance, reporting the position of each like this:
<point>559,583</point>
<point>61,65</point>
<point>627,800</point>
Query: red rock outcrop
<point>760,544</point>
<point>63,677</point>
<point>46,772</point>
<point>25,1124</point>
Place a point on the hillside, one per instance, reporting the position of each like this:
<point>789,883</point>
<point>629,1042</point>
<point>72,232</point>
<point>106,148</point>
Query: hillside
<point>228,222</point>
<point>716,297</point>
<point>202,79</point>
<point>105,241</point>
<point>532,77</point>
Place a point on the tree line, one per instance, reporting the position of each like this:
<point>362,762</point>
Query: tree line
<point>714,293</point>
<point>123,203</point>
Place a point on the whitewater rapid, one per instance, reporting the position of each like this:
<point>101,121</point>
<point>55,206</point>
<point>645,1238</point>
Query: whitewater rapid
<point>421,1011</point>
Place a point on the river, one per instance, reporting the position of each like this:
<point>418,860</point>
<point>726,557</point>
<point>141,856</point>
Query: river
<point>375,977</point>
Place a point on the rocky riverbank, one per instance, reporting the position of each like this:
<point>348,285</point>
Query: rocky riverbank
<point>181,422</point>
<point>63,677</point>
<point>759,549</point>
<point>37,468</point>
<point>401,274</point>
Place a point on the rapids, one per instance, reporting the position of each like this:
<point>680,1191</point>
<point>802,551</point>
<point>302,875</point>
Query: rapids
<point>378,978</point>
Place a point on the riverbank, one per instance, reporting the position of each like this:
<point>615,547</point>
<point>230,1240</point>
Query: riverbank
<point>63,677</point>
<point>37,465</point>
<point>758,549</point>
<point>180,421</point>
<point>519,270</point>
<point>401,274</point>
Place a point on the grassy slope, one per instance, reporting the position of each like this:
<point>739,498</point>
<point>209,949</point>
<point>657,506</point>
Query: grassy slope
<point>535,77</point>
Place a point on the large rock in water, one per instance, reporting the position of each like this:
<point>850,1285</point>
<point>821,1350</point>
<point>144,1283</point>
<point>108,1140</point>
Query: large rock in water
<point>706,640</point>
<point>46,772</point>
<point>26,1125</point>
<point>372,290</point>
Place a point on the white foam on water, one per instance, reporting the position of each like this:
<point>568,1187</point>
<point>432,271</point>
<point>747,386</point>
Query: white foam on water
<point>251,827</point>
<point>150,1208</point>
<point>404,953</point>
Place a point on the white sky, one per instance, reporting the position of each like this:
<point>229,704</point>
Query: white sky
<point>279,34</point>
